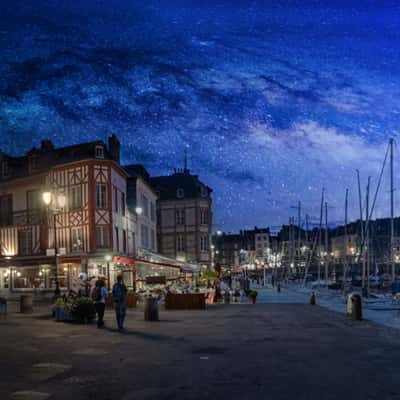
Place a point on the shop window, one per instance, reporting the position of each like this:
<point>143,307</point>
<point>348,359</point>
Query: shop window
<point>75,197</point>
<point>101,196</point>
<point>30,278</point>
<point>24,242</point>
<point>102,237</point>
<point>76,236</point>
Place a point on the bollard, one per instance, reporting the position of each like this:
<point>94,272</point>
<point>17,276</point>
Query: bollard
<point>26,304</point>
<point>356,307</point>
<point>312,299</point>
<point>151,309</point>
<point>279,287</point>
<point>3,306</point>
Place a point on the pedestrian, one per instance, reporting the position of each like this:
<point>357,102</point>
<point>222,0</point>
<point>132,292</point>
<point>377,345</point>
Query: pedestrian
<point>99,296</point>
<point>119,292</point>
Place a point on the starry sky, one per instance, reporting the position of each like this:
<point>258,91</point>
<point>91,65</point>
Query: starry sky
<point>273,100</point>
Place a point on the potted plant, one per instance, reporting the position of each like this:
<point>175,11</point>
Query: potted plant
<point>83,309</point>
<point>59,309</point>
<point>252,294</point>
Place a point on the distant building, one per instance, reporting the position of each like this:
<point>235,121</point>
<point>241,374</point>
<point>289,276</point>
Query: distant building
<point>142,201</point>
<point>184,210</point>
<point>246,248</point>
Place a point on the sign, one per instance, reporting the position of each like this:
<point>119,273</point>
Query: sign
<point>156,280</point>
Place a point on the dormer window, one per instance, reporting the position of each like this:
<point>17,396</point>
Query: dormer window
<point>180,193</point>
<point>32,163</point>
<point>204,191</point>
<point>5,172</point>
<point>99,151</point>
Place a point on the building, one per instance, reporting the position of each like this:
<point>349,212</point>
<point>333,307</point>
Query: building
<point>85,226</point>
<point>247,248</point>
<point>184,217</point>
<point>142,201</point>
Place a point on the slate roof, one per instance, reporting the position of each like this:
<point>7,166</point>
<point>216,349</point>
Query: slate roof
<point>167,186</point>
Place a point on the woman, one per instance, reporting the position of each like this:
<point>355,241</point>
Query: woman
<point>99,296</point>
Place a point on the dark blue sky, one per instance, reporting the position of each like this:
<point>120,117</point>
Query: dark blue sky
<point>273,99</point>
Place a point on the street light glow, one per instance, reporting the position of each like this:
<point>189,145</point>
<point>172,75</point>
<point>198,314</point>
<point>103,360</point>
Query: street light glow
<point>139,210</point>
<point>46,198</point>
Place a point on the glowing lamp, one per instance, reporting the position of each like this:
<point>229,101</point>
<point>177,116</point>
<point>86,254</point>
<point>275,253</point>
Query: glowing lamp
<point>46,198</point>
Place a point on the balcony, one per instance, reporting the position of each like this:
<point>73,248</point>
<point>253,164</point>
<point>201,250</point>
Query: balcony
<point>23,218</point>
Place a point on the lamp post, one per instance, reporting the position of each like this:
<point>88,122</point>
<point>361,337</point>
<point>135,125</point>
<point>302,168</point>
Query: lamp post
<point>55,203</point>
<point>108,258</point>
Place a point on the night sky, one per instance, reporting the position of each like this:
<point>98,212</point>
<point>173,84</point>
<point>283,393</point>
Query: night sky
<point>272,99</point>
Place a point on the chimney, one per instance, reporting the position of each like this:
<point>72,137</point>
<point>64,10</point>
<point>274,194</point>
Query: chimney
<point>47,145</point>
<point>114,148</point>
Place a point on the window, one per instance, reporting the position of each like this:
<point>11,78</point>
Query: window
<point>76,239</point>
<point>145,204</point>
<point>180,244</point>
<point>124,241</point>
<point>204,191</point>
<point>117,238</point>
<point>116,200</point>
<point>152,211</point>
<point>153,240</point>
<point>5,172</point>
<point>204,216</point>
<point>99,151</point>
<point>25,242</point>
<point>144,230</point>
<point>6,212</point>
<point>75,197</point>
<point>180,217</point>
<point>33,199</point>
<point>101,196</point>
<point>102,237</point>
<point>123,205</point>
<point>180,193</point>
<point>204,242</point>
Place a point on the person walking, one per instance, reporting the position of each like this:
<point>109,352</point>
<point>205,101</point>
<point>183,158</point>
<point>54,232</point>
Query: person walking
<point>99,296</point>
<point>119,292</point>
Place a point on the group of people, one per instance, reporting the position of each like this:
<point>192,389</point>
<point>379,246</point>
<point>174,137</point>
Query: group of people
<point>99,296</point>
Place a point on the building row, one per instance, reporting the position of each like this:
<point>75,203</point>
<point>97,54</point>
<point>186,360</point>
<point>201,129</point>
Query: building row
<point>77,210</point>
<point>292,248</point>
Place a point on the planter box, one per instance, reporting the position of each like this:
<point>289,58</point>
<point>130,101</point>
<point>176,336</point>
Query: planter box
<point>193,301</point>
<point>131,300</point>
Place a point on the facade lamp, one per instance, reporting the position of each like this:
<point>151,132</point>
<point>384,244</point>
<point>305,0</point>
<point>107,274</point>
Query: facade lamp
<point>47,198</point>
<point>139,210</point>
<point>61,200</point>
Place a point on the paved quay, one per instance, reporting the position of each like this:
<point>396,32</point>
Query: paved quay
<point>262,351</point>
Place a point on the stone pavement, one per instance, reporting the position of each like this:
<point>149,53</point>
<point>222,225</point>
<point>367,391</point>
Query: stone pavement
<point>265,351</point>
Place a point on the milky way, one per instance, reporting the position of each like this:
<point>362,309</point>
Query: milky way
<point>273,100</point>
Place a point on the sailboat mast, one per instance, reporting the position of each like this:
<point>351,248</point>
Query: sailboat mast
<point>326,247</point>
<point>367,244</point>
<point>346,239</point>
<point>320,236</point>
<point>362,244</point>
<point>392,211</point>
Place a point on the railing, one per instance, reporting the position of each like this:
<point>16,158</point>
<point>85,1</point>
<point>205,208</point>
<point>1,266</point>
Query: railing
<point>25,217</point>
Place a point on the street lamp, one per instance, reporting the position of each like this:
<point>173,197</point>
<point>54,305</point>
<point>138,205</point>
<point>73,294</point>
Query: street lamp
<point>108,258</point>
<point>219,232</point>
<point>55,202</point>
